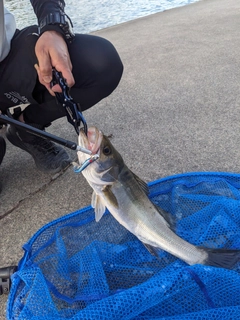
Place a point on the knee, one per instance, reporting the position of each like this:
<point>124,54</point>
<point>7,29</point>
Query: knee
<point>113,72</point>
<point>108,66</point>
<point>96,62</point>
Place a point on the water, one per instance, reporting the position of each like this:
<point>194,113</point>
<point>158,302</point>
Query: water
<point>88,16</point>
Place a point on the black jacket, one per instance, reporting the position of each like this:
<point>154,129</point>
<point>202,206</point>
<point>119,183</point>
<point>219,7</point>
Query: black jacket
<point>43,7</point>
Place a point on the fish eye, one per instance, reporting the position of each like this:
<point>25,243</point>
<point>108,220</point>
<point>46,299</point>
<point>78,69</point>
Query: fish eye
<point>107,150</point>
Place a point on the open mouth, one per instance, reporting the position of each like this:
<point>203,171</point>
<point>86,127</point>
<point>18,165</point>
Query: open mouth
<point>93,139</point>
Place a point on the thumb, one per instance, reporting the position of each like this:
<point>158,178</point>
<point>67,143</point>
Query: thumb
<point>46,70</point>
<point>45,67</point>
<point>47,85</point>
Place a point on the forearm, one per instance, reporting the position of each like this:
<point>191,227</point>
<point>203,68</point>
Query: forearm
<point>51,48</point>
<point>43,7</point>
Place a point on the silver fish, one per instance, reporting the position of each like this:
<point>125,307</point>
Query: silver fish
<point>125,195</point>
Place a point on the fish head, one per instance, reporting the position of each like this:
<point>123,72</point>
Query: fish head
<point>105,169</point>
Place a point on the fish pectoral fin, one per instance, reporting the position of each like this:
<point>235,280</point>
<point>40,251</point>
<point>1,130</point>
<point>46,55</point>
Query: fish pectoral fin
<point>98,205</point>
<point>110,196</point>
<point>153,250</point>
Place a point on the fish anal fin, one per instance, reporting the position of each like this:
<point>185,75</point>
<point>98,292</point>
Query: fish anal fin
<point>98,205</point>
<point>153,250</point>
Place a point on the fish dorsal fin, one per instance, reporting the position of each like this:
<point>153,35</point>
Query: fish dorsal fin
<point>98,205</point>
<point>141,183</point>
<point>167,217</point>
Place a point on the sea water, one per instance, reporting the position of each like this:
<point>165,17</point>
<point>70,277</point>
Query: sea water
<point>88,16</point>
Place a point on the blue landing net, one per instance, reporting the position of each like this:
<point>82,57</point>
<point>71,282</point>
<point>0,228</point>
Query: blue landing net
<point>74,268</point>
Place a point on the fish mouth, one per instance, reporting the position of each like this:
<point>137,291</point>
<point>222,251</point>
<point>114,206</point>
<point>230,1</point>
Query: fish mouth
<point>92,140</point>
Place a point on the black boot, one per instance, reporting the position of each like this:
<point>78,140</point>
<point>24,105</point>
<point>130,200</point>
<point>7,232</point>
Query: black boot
<point>2,149</point>
<point>2,153</point>
<point>48,156</point>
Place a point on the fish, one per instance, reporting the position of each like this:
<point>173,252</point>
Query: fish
<point>126,196</point>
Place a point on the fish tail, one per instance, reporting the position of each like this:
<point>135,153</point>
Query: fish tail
<point>223,258</point>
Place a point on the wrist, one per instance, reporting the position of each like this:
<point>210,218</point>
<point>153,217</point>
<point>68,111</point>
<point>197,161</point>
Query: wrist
<point>58,22</point>
<point>53,30</point>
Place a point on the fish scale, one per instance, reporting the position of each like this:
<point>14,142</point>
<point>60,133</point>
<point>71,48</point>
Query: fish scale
<point>144,220</point>
<point>125,195</point>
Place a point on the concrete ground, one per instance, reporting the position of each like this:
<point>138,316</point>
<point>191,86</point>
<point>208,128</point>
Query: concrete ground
<point>176,110</point>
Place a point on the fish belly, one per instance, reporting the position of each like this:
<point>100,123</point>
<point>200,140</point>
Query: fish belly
<point>140,217</point>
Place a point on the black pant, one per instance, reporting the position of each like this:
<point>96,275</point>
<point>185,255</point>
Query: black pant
<point>97,70</point>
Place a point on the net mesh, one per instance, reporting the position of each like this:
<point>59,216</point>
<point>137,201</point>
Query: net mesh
<point>75,268</point>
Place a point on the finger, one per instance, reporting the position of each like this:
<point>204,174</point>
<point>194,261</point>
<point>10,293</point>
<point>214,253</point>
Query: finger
<point>47,85</point>
<point>68,76</point>
<point>56,88</point>
<point>50,89</point>
<point>45,66</point>
<point>66,71</point>
<point>37,69</point>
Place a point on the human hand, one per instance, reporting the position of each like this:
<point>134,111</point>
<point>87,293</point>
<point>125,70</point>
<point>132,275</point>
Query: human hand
<point>51,51</point>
